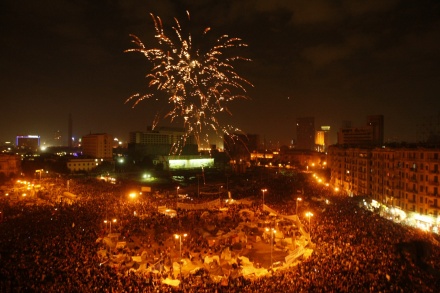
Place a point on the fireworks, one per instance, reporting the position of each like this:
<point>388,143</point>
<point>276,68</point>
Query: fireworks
<point>198,84</point>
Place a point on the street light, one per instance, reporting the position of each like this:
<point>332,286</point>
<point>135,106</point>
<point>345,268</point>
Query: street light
<point>309,215</point>
<point>198,185</point>
<point>39,171</point>
<point>272,232</point>
<point>179,236</point>
<point>114,221</point>
<point>177,191</point>
<point>263,190</point>
<point>297,199</point>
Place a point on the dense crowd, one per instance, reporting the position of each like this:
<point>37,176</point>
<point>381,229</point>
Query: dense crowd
<point>53,247</point>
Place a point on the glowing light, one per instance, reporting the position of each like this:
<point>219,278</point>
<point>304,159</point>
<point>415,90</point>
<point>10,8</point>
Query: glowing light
<point>196,83</point>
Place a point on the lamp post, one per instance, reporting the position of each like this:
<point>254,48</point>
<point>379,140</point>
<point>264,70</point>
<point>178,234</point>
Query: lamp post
<point>198,185</point>
<point>297,199</point>
<point>114,221</point>
<point>263,190</point>
<point>177,191</point>
<point>39,171</point>
<point>220,195</point>
<point>179,236</point>
<point>309,215</point>
<point>272,232</point>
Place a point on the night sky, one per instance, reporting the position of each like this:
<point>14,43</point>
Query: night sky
<point>333,60</point>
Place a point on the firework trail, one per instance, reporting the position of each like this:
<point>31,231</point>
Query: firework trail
<point>198,84</point>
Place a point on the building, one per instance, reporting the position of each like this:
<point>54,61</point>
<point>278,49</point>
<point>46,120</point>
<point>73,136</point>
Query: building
<point>376,122</point>
<point>161,141</point>
<point>371,134</point>
<point>188,162</point>
<point>406,178</point>
<point>10,165</point>
<point>429,129</point>
<point>240,146</point>
<point>162,135</point>
<point>99,146</point>
<point>307,160</point>
<point>82,165</point>
<point>305,133</point>
<point>322,140</point>
<point>356,136</point>
<point>28,142</point>
<point>350,169</point>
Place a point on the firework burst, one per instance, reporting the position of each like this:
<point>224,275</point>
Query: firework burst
<point>198,84</point>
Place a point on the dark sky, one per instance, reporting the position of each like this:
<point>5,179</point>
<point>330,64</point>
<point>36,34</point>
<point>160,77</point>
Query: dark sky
<point>334,60</point>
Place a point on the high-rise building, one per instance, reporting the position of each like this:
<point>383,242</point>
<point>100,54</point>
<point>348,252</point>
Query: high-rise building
<point>322,139</point>
<point>305,133</point>
<point>28,142</point>
<point>99,146</point>
<point>240,146</point>
<point>377,124</point>
<point>10,164</point>
<point>407,178</point>
<point>371,134</point>
<point>161,141</point>
<point>356,136</point>
<point>57,138</point>
<point>429,129</point>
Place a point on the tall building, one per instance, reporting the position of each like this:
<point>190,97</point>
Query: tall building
<point>57,138</point>
<point>10,165</point>
<point>371,134</point>
<point>240,146</point>
<point>161,141</point>
<point>407,178</point>
<point>322,139</point>
<point>429,129</point>
<point>305,133</point>
<point>377,124</point>
<point>99,146</point>
<point>28,142</point>
<point>356,136</point>
<point>161,135</point>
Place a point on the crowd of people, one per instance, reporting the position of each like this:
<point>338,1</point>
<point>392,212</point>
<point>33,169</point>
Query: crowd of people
<point>51,246</point>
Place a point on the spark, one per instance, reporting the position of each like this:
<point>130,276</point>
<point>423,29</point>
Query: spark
<point>198,85</point>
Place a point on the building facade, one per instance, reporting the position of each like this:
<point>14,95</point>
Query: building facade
<point>99,146</point>
<point>405,178</point>
<point>376,122</point>
<point>161,141</point>
<point>305,133</point>
<point>10,165</point>
<point>239,146</point>
<point>371,134</point>
<point>82,165</point>
<point>28,142</point>
<point>322,140</point>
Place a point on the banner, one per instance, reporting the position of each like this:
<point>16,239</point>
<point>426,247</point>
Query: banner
<point>294,255</point>
<point>199,206</point>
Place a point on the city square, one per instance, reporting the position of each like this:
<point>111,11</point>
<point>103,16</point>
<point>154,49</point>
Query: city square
<point>106,240</point>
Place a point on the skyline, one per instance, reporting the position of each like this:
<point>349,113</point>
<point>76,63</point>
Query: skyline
<point>333,61</point>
